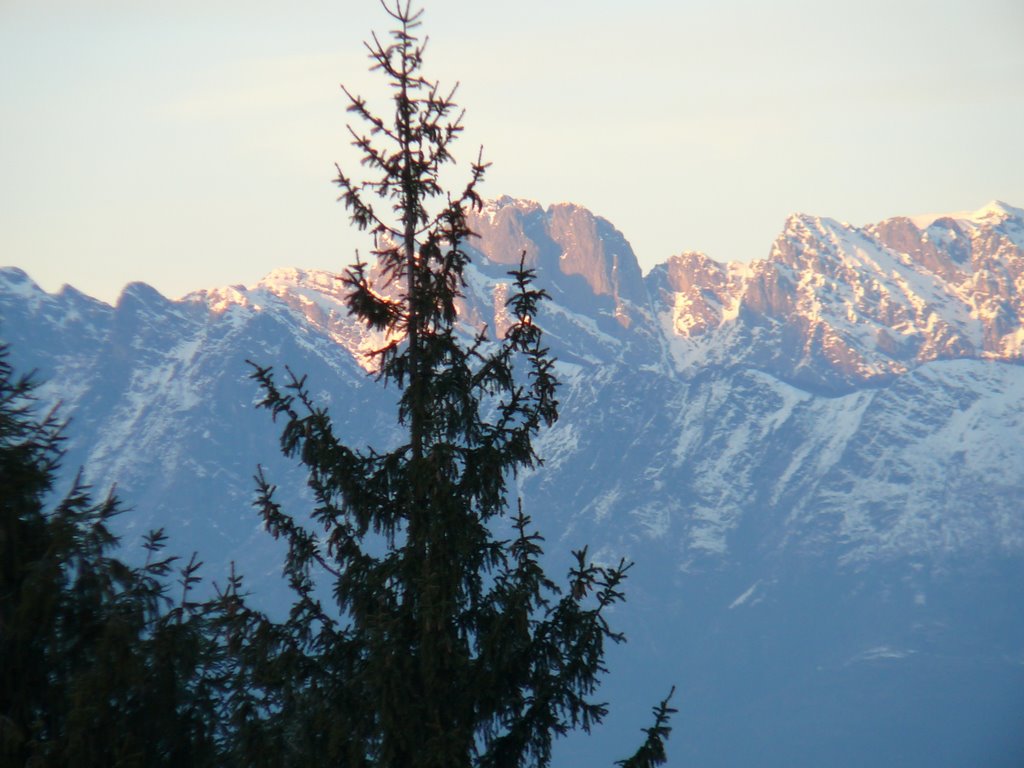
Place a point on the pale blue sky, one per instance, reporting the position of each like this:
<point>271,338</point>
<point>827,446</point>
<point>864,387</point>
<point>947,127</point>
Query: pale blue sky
<point>191,144</point>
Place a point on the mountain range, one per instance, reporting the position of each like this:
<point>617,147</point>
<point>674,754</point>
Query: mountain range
<point>814,458</point>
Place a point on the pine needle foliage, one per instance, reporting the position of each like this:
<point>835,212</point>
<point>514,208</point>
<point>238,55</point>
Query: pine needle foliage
<point>445,646</point>
<point>99,666</point>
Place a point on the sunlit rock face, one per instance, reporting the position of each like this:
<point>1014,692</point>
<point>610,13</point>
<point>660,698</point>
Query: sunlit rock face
<point>815,459</point>
<point>836,306</point>
<point>564,241</point>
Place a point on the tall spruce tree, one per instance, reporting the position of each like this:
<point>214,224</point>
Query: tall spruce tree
<point>446,646</point>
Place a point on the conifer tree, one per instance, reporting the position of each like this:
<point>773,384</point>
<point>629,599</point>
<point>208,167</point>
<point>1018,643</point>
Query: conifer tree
<point>444,646</point>
<point>94,668</point>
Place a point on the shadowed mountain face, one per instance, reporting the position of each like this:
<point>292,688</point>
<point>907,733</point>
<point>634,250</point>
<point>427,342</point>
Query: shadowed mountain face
<point>815,460</point>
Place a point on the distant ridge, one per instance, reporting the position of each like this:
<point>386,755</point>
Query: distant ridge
<point>815,458</point>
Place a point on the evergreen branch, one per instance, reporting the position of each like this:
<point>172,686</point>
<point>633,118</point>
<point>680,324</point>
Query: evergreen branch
<point>652,752</point>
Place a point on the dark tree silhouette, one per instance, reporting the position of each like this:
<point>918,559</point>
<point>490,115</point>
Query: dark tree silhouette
<point>97,666</point>
<point>444,646</point>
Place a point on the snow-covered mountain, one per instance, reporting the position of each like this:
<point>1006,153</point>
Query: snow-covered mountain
<point>834,307</point>
<point>815,458</point>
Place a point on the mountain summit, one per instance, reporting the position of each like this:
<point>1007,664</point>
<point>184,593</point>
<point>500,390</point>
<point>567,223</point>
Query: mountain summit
<point>835,306</point>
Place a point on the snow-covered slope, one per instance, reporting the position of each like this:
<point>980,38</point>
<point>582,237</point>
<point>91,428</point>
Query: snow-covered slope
<point>815,458</point>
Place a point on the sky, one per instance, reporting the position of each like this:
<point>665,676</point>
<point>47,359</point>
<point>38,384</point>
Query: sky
<point>191,144</point>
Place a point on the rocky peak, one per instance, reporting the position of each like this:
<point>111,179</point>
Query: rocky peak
<point>835,305</point>
<point>567,240</point>
<point>699,289</point>
<point>500,229</point>
<point>942,248</point>
<point>693,270</point>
